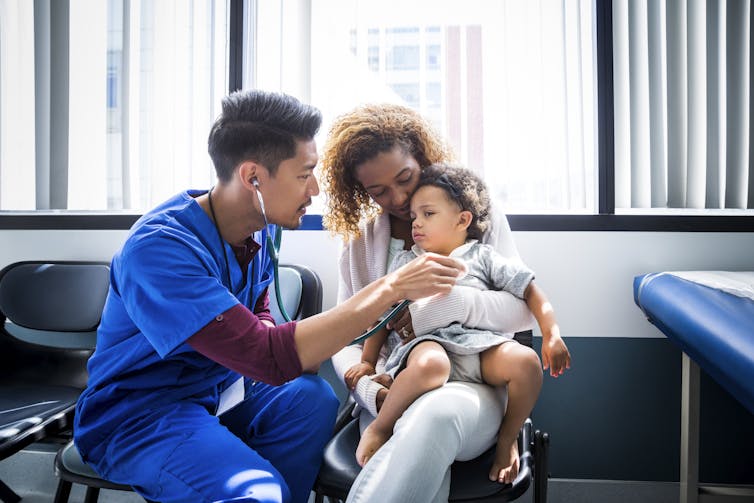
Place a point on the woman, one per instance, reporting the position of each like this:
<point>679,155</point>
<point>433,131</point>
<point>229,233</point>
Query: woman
<point>370,168</point>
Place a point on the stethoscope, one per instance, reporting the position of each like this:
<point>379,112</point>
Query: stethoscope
<point>390,315</point>
<point>272,243</point>
<point>273,249</point>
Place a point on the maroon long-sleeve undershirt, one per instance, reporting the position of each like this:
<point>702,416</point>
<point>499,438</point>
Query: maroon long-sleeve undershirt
<point>238,340</point>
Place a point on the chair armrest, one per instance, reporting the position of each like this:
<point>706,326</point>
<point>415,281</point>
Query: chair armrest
<point>524,337</point>
<point>344,414</point>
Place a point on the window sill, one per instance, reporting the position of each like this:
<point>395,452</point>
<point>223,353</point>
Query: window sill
<point>632,223</point>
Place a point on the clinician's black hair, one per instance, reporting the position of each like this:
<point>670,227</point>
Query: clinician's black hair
<point>259,126</point>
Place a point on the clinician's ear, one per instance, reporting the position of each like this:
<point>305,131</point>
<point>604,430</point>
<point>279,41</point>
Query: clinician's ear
<point>249,173</point>
<point>465,218</point>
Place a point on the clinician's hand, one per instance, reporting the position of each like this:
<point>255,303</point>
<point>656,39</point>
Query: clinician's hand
<point>320,336</point>
<point>426,275</point>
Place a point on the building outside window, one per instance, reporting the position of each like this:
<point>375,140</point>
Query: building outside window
<point>510,84</point>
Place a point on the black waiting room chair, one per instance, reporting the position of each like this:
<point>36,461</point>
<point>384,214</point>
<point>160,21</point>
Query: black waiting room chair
<point>49,312</point>
<point>468,483</point>
<point>301,294</point>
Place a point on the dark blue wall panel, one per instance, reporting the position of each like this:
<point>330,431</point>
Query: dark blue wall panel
<point>616,415</point>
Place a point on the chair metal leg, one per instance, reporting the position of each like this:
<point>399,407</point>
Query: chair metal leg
<point>541,466</point>
<point>63,491</point>
<point>7,495</point>
<point>92,495</point>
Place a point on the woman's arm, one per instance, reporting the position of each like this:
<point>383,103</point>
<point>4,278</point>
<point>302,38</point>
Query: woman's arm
<point>349,356</point>
<point>361,261</point>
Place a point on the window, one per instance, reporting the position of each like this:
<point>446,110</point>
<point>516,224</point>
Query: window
<point>513,85</point>
<point>107,105</point>
<point>510,84</point>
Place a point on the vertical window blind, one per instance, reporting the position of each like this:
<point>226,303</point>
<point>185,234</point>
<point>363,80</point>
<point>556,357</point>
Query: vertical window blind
<point>682,78</point>
<point>106,105</point>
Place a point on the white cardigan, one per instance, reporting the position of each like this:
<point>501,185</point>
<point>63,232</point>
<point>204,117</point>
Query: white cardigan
<point>364,260</point>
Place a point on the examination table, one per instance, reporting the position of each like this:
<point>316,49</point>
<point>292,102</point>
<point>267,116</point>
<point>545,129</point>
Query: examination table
<point>710,316</point>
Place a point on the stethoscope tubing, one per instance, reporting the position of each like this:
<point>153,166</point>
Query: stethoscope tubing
<point>273,248</point>
<point>393,312</point>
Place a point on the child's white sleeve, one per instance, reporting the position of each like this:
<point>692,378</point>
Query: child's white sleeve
<point>483,309</point>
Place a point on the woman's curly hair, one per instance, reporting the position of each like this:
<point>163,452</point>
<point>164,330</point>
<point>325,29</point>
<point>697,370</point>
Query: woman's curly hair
<point>360,136</point>
<point>466,189</point>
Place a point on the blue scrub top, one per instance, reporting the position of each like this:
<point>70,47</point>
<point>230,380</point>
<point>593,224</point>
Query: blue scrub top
<point>166,283</point>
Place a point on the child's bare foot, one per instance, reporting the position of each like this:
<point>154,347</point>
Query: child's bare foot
<point>505,467</point>
<point>371,440</point>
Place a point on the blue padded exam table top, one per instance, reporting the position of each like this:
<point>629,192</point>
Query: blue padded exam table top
<point>713,327</point>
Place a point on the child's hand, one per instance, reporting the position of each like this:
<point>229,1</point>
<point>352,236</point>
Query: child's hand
<point>355,373</point>
<point>555,355</point>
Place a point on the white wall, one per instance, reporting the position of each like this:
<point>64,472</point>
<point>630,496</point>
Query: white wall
<point>587,275</point>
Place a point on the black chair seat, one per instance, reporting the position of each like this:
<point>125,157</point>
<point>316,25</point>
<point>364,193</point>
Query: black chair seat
<point>70,467</point>
<point>468,482</point>
<point>30,413</point>
<point>49,312</point>
<point>340,467</point>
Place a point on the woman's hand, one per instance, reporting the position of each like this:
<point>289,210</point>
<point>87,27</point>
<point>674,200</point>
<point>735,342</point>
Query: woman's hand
<point>426,275</point>
<point>352,375</point>
<point>386,381</point>
<point>402,325</point>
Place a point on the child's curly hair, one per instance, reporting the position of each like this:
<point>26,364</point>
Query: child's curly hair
<point>466,189</point>
<point>360,136</point>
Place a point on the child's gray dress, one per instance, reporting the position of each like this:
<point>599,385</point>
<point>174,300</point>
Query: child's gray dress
<point>486,270</point>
